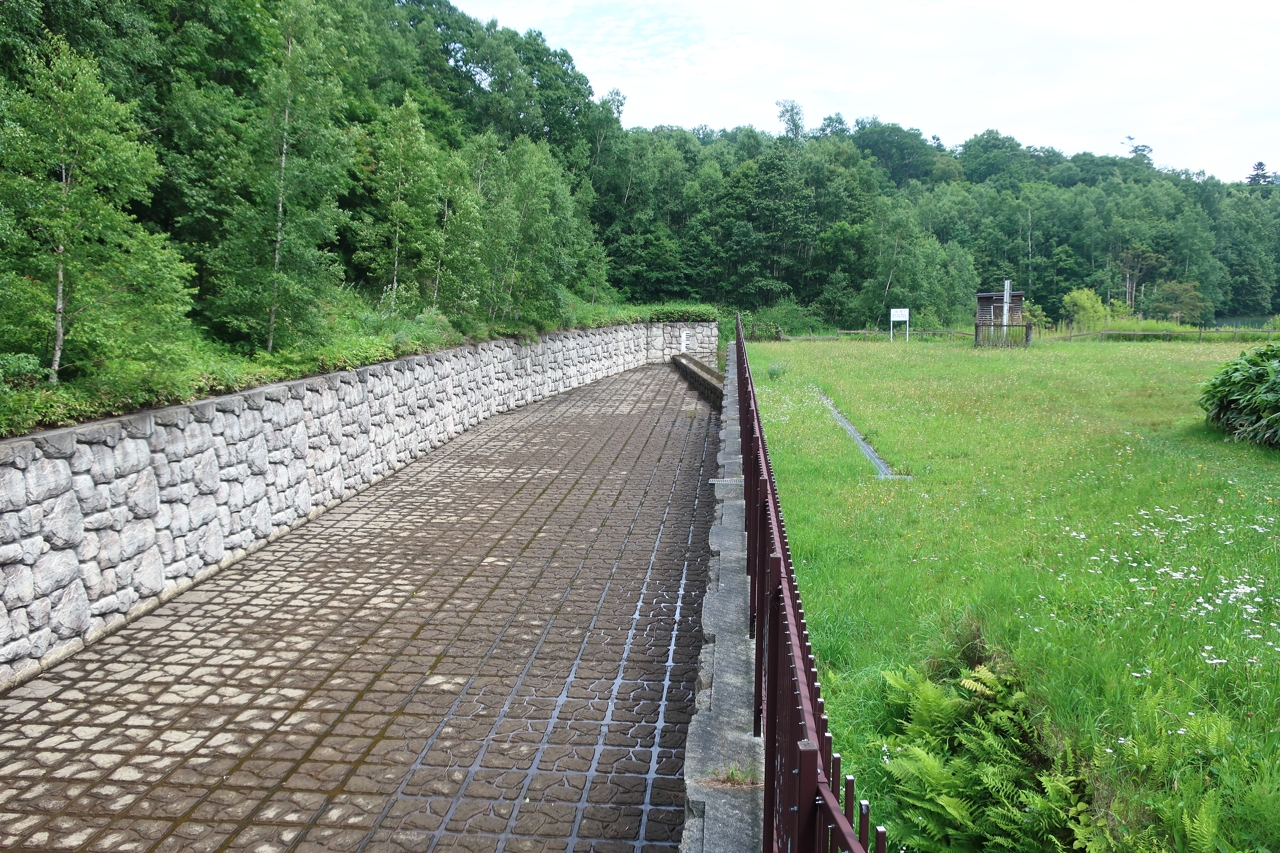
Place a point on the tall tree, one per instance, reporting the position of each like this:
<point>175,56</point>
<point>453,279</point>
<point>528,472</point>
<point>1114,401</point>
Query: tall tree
<point>276,259</point>
<point>400,234</point>
<point>94,282</point>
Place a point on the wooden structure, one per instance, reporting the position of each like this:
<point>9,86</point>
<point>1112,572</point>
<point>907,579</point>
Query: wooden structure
<point>991,309</point>
<point>1000,322</point>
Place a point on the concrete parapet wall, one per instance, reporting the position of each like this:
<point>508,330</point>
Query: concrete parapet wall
<point>101,523</point>
<point>722,818</point>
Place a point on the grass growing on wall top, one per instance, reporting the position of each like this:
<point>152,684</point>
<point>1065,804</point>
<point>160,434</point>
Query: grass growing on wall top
<point>1072,515</point>
<point>353,334</point>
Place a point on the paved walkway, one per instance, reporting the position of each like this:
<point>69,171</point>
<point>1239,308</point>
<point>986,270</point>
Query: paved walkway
<point>493,650</point>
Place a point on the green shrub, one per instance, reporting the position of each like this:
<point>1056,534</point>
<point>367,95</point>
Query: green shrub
<point>682,313</point>
<point>1244,397</point>
<point>1084,307</point>
<point>793,318</point>
<point>18,369</point>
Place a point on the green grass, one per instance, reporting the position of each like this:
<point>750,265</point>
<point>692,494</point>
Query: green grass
<point>1187,332</point>
<point>1070,509</point>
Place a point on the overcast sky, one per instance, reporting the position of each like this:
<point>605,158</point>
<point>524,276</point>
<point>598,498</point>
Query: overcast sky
<point>1198,82</point>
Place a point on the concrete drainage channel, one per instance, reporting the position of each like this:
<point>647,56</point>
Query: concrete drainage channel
<point>883,471</point>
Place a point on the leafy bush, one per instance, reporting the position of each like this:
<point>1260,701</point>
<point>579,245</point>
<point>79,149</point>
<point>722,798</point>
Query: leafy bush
<point>18,368</point>
<point>1244,397</point>
<point>1084,307</point>
<point>687,312</point>
<point>794,319</point>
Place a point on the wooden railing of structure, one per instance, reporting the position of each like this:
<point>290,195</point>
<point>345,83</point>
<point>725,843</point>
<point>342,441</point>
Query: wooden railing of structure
<point>873,332</point>
<point>802,783</point>
<point>997,335</point>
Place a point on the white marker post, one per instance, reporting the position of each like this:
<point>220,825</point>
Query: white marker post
<point>899,315</point>
<point>1008,296</point>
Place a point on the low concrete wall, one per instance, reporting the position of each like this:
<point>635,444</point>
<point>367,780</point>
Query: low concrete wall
<point>101,523</point>
<point>722,818</point>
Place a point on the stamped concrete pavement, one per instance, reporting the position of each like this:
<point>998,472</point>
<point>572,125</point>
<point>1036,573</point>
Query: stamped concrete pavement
<point>493,650</point>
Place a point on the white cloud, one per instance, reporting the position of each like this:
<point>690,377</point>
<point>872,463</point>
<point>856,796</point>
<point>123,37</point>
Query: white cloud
<point>1198,83</point>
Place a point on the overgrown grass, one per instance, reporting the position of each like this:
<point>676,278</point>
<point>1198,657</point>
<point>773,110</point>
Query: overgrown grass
<point>352,334</point>
<point>578,314</point>
<point>1072,514</point>
<point>1244,334</point>
<point>1126,324</point>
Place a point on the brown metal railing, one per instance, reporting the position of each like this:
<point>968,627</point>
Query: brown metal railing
<point>802,784</point>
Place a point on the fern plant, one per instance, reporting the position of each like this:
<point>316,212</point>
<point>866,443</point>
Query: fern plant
<point>971,771</point>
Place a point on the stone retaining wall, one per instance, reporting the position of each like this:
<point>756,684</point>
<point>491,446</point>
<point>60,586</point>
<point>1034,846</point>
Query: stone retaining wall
<point>101,523</point>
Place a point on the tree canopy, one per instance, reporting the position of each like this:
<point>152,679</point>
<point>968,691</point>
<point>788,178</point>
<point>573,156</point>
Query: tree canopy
<point>253,165</point>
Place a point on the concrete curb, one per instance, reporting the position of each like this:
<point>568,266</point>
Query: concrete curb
<point>720,818</point>
<point>704,380</point>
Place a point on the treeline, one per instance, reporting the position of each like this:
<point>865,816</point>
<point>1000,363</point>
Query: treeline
<point>241,164</point>
<point>837,223</point>
<point>195,196</point>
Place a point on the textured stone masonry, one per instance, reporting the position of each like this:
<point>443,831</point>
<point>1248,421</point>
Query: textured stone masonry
<point>102,522</point>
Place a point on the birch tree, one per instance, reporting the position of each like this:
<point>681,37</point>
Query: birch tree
<point>277,259</point>
<point>92,283</point>
<point>401,235</point>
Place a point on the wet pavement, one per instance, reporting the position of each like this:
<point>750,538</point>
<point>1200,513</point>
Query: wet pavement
<point>493,650</point>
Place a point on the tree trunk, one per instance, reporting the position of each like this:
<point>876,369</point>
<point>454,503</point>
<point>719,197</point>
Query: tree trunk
<point>1030,257</point>
<point>395,243</point>
<point>60,302</point>
<point>59,333</point>
<point>275,266</point>
<point>444,231</point>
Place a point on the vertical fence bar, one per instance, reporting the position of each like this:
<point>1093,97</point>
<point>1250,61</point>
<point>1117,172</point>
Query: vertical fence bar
<point>807,796</point>
<point>771,733</point>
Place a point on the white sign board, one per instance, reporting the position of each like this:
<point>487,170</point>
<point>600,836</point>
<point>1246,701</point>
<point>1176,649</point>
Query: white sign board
<point>899,315</point>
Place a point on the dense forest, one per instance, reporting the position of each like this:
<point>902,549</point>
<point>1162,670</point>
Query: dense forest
<point>199,195</point>
<point>847,220</point>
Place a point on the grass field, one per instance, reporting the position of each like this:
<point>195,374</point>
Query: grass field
<point>1071,515</point>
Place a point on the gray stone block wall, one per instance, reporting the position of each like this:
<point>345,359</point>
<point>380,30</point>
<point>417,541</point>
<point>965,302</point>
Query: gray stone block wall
<point>101,523</point>
<point>697,339</point>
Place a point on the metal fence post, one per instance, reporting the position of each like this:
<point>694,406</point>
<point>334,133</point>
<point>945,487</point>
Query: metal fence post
<point>807,797</point>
